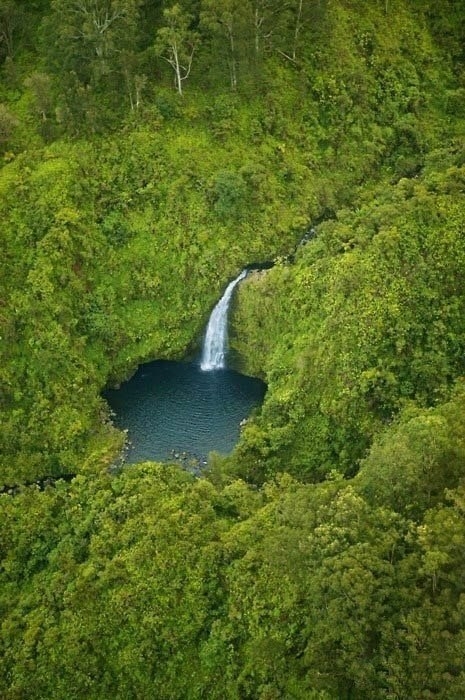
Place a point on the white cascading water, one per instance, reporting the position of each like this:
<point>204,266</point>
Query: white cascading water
<point>216,337</point>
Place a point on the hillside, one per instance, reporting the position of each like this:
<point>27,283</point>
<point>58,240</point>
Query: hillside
<point>150,152</point>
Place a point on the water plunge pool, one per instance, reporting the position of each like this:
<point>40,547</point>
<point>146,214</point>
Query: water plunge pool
<point>176,407</point>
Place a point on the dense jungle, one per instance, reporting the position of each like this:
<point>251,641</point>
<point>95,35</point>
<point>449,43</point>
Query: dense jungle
<point>149,151</point>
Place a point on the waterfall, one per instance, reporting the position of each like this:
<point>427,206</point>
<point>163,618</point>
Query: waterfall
<point>216,336</point>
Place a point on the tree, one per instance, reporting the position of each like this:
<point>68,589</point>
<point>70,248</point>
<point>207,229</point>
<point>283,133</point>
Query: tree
<point>411,464</point>
<point>135,82</point>
<point>87,44</point>
<point>229,194</point>
<point>11,17</point>
<point>176,43</point>
<point>224,20</point>
<point>8,123</point>
<point>299,17</point>
<point>266,15</point>
<point>41,87</point>
<point>88,37</point>
<point>297,28</point>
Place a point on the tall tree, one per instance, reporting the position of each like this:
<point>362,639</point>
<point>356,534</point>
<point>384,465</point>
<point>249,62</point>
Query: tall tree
<point>228,21</point>
<point>11,19</point>
<point>176,43</point>
<point>88,38</point>
<point>266,14</point>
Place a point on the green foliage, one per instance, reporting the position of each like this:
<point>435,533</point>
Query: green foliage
<point>371,317</point>
<point>153,582</point>
<point>411,464</point>
<point>345,116</point>
<point>176,43</point>
<point>228,195</point>
<point>8,122</point>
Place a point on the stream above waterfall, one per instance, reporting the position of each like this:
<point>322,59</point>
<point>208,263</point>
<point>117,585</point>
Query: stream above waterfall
<point>170,408</point>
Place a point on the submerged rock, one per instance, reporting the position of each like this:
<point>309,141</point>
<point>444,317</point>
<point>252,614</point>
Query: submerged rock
<point>190,461</point>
